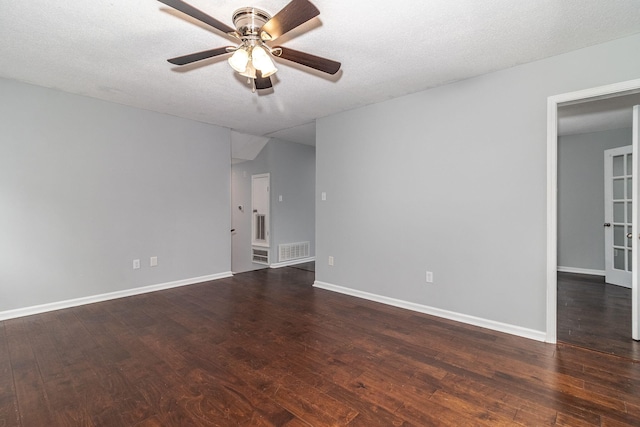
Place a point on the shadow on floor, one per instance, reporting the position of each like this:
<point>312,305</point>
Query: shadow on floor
<point>307,266</point>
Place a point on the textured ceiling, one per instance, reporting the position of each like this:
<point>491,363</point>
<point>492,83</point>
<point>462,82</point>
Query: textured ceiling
<point>117,49</point>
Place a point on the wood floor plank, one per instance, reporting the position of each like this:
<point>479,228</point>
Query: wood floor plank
<point>58,388</point>
<point>290,383</point>
<point>150,422</point>
<point>32,398</point>
<point>259,390</point>
<point>265,348</point>
<point>369,414</point>
<point>43,346</point>
<point>471,408</point>
<point>567,420</point>
<point>607,422</point>
<point>85,368</point>
<point>432,414</point>
<point>9,415</point>
<point>481,396</point>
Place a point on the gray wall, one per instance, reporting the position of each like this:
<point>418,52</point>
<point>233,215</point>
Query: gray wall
<point>292,168</point>
<point>452,180</point>
<point>581,196</point>
<point>87,186</point>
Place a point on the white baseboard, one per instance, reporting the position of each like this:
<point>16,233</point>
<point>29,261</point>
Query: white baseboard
<point>37,309</point>
<point>292,262</point>
<point>581,271</point>
<point>458,317</point>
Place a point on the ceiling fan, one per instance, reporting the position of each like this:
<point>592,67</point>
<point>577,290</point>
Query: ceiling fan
<point>254,28</point>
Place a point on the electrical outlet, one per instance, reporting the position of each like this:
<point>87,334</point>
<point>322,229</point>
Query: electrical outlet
<point>429,277</point>
<point>136,264</point>
<point>323,196</point>
<point>330,260</point>
<point>153,261</point>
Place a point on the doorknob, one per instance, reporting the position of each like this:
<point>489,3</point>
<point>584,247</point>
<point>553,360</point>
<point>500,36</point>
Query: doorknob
<point>607,224</point>
<point>629,235</point>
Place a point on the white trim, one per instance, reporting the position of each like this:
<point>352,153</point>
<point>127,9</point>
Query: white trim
<point>631,86</point>
<point>458,317</point>
<point>37,309</point>
<point>577,270</point>
<point>552,219</point>
<point>292,262</point>
<point>635,304</point>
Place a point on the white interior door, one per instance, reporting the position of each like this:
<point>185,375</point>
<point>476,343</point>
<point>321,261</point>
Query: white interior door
<point>635,295</point>
<point>618,197</point>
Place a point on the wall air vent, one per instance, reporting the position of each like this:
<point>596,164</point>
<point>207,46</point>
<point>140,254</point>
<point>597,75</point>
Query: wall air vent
<point>260,227</point>
<point>260,256</point>
<point>290,251</point>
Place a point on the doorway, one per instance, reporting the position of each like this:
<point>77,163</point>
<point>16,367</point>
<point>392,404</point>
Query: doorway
<point>554,102</point>
<point>279,185</point>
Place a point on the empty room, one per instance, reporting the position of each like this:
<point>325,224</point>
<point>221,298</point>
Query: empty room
<point>325,213</point>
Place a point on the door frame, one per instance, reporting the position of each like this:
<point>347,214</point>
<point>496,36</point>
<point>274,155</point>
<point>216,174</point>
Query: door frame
<point>617,89</point>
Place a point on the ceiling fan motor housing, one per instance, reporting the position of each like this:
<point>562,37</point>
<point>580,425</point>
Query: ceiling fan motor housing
<point>249,20</point>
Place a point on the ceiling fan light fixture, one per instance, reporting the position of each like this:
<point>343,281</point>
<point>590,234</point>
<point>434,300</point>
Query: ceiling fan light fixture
<point>261,61</point>
<point>239,60</point>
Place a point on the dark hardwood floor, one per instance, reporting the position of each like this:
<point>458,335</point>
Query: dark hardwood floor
<point>265,348</point>
<point>595,315</point>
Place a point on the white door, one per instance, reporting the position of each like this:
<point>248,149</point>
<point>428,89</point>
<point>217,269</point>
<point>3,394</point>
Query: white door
<point>618,198</point>
<point>635,295</point>
<point>260,210</point>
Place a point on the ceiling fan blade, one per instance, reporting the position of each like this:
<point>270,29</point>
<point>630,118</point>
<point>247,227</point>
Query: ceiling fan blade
<point>321,64</point>
<point>197,14</point>
<point>295,13</point>
<point>262,82</point>
<point>198,56</point>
